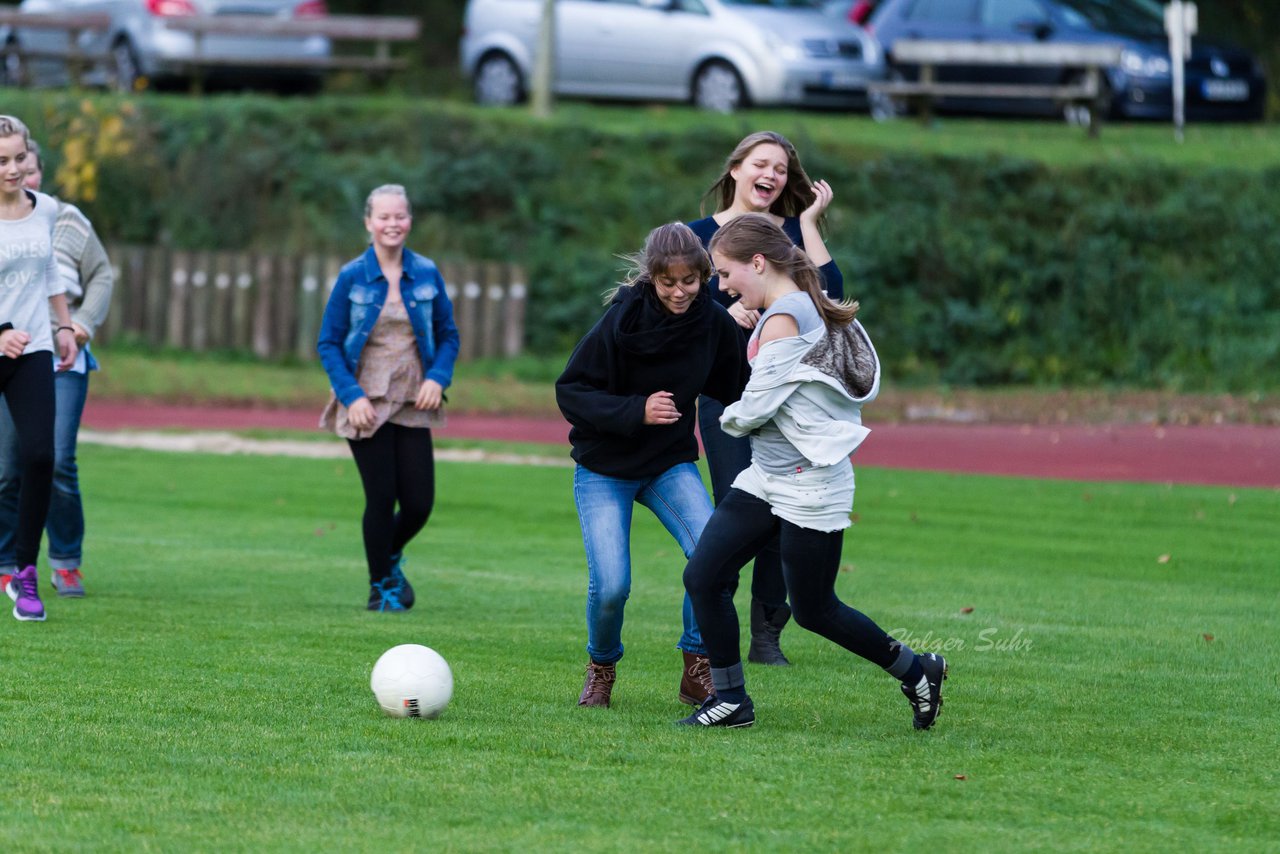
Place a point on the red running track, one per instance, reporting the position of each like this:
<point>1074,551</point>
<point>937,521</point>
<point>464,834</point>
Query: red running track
<point>1226,455</point>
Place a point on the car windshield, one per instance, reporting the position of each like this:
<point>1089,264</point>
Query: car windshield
<point>777,4</point>
<point>1126,17</point>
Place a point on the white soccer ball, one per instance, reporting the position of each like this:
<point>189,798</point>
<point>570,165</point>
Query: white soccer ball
<point>412,681</point>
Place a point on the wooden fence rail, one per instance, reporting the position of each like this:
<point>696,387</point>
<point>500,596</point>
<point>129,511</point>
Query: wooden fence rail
<point>270,305</point>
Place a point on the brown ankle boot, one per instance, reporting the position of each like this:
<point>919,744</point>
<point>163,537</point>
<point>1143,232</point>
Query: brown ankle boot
<point>764,647</point>
<point>695,684</point>
<point>598,686</point>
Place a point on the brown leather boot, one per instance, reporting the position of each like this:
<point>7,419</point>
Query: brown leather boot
<point>695,684</point>
<point>764,647</point>
<point>598,686</point>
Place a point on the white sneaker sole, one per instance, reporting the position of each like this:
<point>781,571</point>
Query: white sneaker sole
<point>18,615</point>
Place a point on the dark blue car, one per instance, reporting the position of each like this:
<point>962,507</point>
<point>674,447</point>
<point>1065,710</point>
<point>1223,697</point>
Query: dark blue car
<point>1222,82</point>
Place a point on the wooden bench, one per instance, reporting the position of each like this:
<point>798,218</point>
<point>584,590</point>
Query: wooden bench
<point>1084,62</point>
<point>380,30</point>
<point>77,59</point>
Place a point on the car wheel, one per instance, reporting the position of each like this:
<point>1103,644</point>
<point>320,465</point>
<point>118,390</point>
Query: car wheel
<point>124,67</point>
<point>719,88</point>
<point>11,70</point>
<point>497,81</point>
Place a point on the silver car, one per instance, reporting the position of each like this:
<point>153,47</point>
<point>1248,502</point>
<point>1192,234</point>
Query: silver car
<point>719,54</point>
<point>144,50</point>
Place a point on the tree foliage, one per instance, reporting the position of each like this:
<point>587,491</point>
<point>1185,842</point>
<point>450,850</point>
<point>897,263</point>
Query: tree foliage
<point>978,269</point>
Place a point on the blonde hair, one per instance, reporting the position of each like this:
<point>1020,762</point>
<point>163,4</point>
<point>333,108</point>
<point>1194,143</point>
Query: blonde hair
<point>13,126</point>
<point>795,196</point>
<point>387,190</point>
<point>746,236</point>
<point>666,246</point>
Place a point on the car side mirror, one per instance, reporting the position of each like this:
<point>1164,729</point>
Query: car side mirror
<point>1039,28</point>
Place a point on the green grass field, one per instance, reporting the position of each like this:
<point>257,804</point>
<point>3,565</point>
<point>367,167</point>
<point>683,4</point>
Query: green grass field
<point>211,693</point>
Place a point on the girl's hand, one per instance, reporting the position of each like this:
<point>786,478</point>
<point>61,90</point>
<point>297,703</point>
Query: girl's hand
<point>13,342</point>
<point>430,394</point>
<point>747,317</point>
<point>67,349</point>
<point>361,415</point>
<point>660,408</point>
<point>822,196</point>
<point>82,334</point>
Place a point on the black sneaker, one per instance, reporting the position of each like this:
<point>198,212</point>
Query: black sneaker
<point>385,596</point>
<point>405,589</point>
<point>926,697</point>
<point>715,712</point>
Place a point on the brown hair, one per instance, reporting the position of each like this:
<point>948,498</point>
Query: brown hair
<point>795,196</point>
<point>753,234</point>
<point>666,246</point>
<point>33,148</point>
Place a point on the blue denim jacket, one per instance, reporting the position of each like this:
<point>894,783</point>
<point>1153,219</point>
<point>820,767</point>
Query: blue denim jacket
<point>353,309</point>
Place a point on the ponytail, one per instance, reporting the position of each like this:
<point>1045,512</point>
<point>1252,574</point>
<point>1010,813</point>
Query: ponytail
<point>756,234</point>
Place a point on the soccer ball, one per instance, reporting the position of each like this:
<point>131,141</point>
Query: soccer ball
<point>412,681</point>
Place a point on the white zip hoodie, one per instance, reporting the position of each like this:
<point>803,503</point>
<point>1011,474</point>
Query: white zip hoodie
<point>813,388</point>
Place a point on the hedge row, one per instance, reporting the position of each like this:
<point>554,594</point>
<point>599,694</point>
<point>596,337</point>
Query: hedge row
<point>977,270</point>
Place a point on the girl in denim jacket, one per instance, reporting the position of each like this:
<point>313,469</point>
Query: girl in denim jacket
<point>388,343</point>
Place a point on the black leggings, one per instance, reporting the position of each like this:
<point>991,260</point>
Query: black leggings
<point>397,466</point>
<point>27,385</point>
<point>740,525</point>
<point>726,457</point>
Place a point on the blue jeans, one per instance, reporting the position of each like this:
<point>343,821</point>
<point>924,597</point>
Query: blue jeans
<point>679,500</point>
<point>65,522</point>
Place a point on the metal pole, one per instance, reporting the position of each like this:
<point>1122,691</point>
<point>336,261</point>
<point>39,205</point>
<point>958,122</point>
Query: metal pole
<point>1181,22</point>
<point>1174,25</point>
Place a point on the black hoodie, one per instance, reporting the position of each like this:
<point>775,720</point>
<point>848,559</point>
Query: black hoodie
<point>638,348</point>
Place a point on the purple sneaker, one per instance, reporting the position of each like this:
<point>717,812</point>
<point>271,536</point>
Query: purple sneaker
<point>22,589</point>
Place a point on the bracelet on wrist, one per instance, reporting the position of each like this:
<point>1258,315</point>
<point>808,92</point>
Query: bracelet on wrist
<point>70,329</point>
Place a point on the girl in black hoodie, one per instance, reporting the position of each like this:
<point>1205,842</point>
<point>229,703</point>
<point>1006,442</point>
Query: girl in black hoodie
<point>630,391</point>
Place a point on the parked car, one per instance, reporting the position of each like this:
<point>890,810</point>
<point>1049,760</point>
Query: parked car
<point>1222,82</point>
<point>144,51</point>
<point>718,54</point>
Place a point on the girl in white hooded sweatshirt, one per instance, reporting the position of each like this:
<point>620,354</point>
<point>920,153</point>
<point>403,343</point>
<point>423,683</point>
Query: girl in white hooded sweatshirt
<point>29,289</point>
<point>812,369</point>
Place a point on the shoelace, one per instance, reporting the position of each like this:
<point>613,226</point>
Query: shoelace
<point>69,576</point>
<point>921,703</point>
<point>390,598</point>
<point>701,671</point>
<point>29,587</point>
<point>598,675</point>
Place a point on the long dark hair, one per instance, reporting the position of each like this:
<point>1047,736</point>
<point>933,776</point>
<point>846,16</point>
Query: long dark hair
<point>666,246</point>
<point>756,234</point>
<point>795,196</point>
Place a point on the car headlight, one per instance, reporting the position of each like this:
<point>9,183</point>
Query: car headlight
<point>783,49</point>
<point>825,48</point>
<point>1144,65</point>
